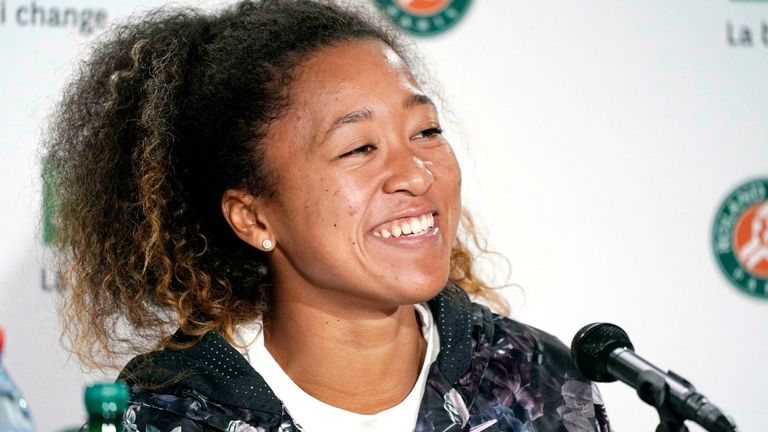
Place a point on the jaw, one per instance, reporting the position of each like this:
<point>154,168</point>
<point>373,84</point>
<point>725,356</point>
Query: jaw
<point>410,263</point>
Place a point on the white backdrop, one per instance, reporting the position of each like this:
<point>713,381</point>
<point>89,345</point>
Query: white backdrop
<point>597,141</point>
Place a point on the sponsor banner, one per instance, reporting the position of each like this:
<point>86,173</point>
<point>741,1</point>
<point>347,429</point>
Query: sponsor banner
<point>740,237</point>
<point>424,17</point>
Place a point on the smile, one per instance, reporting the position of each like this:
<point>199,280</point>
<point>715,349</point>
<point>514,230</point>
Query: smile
<point>410,226</point>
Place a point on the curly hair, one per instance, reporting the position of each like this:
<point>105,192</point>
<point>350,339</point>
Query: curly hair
<point>168,113</point>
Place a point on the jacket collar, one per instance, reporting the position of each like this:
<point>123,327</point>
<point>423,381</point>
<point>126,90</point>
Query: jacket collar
<point>213,367</point>
<point>452,313</point>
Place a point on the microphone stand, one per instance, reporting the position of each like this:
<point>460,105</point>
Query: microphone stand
<point>654,390</point>
<point>675,399</point>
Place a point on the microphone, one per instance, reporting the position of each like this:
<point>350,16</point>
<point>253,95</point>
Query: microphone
<point>604,353</point>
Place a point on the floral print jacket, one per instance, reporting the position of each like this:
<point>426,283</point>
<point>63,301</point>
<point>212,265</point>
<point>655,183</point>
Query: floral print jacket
<point>492,374</point>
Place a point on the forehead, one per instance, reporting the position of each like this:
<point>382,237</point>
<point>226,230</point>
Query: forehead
<point>358,76</point>
<point>347,60</point>
<point>346,75</point>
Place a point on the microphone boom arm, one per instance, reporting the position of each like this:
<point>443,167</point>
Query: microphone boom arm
<point>652,386</point>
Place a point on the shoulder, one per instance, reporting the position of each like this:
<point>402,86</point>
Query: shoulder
<point>533,345</point>
<point>531,373</point>
<point>209,386</point>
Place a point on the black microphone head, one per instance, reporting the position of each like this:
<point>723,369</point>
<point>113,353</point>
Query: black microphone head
<point>593,345</point>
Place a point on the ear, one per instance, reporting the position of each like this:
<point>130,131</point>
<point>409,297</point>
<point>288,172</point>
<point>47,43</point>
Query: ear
<point>244,214</point>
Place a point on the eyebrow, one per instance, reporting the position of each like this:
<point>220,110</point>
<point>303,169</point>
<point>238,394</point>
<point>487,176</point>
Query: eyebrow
<point>367,114</point>
<point>353,117</point>
<point>418,99</point>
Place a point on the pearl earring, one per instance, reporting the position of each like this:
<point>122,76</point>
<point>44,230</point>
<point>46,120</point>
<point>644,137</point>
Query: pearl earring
<point>267,244</point>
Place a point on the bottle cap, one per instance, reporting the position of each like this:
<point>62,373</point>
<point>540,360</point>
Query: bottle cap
<point>106,399</point>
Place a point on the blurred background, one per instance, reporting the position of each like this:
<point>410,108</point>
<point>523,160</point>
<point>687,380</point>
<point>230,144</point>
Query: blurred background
<point>598,142</point>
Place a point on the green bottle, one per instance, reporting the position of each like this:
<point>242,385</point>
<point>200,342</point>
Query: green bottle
<point>106,403</point>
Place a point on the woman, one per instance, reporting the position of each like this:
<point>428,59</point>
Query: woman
<point>272,181</point>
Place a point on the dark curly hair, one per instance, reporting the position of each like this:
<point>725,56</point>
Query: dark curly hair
<point>167,114</point>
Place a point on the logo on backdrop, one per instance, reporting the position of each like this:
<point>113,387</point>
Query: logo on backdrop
<point>740,237</point>
<point>33,14</point>
<point>424,17</point>
<point>747,33</point>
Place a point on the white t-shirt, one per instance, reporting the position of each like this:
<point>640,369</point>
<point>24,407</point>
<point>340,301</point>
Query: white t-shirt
<point>316,416</point>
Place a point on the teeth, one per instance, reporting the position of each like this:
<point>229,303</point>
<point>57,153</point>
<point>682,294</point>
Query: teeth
<point>406,228</point>
<point>414,226</point>
<point>396,231</point>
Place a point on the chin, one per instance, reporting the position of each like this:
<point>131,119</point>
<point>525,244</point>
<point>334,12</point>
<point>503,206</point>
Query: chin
<point>420,291</point>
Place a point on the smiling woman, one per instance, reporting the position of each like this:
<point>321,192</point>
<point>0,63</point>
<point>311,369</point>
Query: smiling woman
<point>265,194</point>
<point>363,135</point>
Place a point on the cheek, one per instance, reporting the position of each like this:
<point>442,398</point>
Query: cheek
<point>447,171</point>
<point>335,202</point>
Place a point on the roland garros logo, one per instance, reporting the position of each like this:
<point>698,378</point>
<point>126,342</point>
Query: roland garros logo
<point>740,237</point>
<point>424,17</point>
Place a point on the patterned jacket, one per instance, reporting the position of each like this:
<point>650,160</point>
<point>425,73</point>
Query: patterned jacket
<point>492,374</point>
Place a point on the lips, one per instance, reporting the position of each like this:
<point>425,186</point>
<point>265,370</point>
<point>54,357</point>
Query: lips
<point>412,226</point>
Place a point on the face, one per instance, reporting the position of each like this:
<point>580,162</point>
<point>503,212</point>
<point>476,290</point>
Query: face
<point>368,190</point>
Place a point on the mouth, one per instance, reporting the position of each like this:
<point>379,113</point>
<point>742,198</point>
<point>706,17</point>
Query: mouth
<point>414,226</point>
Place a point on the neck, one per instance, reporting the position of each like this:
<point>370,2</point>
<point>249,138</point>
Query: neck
<point>359,359</point>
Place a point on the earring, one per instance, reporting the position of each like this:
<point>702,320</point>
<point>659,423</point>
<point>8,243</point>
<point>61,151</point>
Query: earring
<point>267,244</point>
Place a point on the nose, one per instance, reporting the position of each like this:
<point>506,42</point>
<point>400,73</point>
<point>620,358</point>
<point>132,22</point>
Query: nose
<point>407,173</point>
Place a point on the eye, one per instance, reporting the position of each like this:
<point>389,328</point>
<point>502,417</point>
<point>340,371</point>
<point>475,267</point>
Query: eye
<point>359,151</point>
<point>429,133</point>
